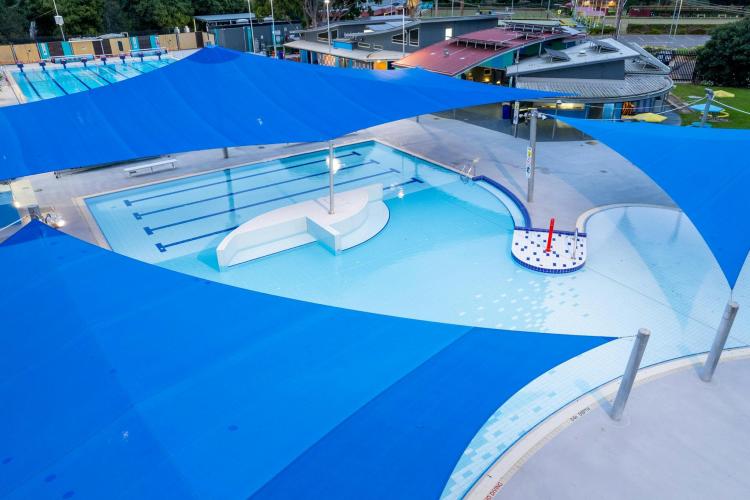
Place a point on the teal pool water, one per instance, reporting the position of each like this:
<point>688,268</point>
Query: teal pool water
<point>57,81</point>
<point>443,256</point>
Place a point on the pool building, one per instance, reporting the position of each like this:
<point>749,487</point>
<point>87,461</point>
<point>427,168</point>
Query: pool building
<point>366,299</point>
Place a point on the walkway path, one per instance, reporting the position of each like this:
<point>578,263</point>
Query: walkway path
<point>680,438</point>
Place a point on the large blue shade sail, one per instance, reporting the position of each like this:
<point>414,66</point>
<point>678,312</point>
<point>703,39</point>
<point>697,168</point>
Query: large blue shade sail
<point>705,171</point>
<point>124,380</point>
<point>219,98</point>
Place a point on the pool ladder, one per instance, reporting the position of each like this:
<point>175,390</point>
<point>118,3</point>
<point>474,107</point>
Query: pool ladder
<point>467,172</point>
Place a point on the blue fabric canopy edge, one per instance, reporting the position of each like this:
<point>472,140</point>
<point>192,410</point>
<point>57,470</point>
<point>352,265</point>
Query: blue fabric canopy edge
<point>126,380</point>
<point>705,171</point>
<point>219,98</point>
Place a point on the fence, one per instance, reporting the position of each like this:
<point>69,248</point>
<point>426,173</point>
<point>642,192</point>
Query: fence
<point>36,52</point>
<point>680,61</point>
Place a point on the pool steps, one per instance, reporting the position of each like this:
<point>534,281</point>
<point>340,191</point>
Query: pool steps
<point>360,214</point>
<point>565,255</point>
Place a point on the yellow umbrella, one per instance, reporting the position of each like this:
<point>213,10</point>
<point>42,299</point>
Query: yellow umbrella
<point>723,93</point>
<point>649,117</point>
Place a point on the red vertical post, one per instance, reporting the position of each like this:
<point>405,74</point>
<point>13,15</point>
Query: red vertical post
<point>549,236</point>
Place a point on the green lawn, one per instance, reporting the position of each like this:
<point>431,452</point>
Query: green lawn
<point>735,119</point>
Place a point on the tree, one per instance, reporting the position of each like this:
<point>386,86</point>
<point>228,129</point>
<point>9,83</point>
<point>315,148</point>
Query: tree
<point>725,59</point>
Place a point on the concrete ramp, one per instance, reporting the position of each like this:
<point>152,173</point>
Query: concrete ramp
<point>359,215</point>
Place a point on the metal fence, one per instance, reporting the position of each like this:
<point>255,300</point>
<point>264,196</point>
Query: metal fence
<point>681,61</point>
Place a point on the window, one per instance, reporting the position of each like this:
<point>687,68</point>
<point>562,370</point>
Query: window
<point>414,37</point>
<point>323,35</point>
<point>448,33</point>
<point>377,47</point>
<point>398,39</point>
<point>363,45</point>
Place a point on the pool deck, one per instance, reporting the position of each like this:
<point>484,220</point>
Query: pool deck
<point>573,177</point>
<point>679,438</point>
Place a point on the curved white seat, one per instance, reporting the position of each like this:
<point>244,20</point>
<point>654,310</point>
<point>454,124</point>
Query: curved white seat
<point>359,215</point>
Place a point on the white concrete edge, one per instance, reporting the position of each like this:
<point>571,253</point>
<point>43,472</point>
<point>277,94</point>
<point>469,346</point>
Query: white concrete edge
<point>583,219</point>
<point>502,471</point>
<point>88,218</point>
<point>13,84</point>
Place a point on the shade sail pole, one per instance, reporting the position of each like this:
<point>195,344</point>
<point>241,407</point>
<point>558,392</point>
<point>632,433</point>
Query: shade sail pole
<point>330,177</point>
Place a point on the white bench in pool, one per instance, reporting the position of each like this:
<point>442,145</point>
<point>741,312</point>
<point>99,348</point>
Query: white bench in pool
<point>360,214</point>
<point>150,168</point>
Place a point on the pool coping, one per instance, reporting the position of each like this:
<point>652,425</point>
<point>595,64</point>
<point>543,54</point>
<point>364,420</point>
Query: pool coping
<point>491,481</point>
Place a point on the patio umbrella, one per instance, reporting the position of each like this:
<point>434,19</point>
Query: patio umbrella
<point>649,117</point>
<point>723,93</point>
<point>711,108</point>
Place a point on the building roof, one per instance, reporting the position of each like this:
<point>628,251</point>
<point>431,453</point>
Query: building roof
<point>213,18</point>
<point>459,54</point>
<point>645,62</point>
<point>591,52</point>
<point>357,55</point>
<point>632,86</point>
<point>396,22</point>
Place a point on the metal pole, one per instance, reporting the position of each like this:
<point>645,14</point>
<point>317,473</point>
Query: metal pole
<point>252,34</point>
<point>403,30</point>
<point>226,153</point>
<point>707,107</point>
<point>618,17</point>
<point>557,109</point>
<point>730,312</point>
<point>331,159</point>
<point>328,23</point>
<point>532,146</point>
<point>575,244</point>
<point>56,15</point>
<point>626,384</point>
<point>516,109</point>
<point>273,32</point>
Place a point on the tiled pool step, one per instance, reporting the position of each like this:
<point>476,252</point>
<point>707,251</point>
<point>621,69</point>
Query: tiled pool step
<point>565,256</point>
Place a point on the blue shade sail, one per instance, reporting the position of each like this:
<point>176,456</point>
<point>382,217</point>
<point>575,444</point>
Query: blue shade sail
<point>126,380</point>
<point>705,171</point>
<point>219,98</point>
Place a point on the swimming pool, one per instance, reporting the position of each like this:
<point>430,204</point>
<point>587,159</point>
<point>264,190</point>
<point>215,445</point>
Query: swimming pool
<point>445,256</point>
<point>55,82</point>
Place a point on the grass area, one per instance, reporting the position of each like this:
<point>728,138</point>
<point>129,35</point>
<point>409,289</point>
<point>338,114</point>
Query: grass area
<point>735,119</point>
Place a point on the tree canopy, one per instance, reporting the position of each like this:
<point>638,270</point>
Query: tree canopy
<point>94,17</point>
<point>725,59</point>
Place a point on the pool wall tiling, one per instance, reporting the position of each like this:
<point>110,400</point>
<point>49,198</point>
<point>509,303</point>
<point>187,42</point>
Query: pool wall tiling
<point>38,84</point>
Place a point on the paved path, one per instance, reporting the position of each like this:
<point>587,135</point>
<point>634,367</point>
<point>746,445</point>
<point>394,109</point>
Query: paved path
<point>680,438</point>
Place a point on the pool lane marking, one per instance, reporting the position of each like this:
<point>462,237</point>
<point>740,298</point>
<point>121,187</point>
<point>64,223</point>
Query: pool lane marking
<point>49,75</point>
<point>76,77</point>
<point>140,215</point>
<point>31,84</point>
<point>139,71</point>
<point>99,76</point>
<point>129,203</point>
<point>163,247</point>
<point>112,68</point>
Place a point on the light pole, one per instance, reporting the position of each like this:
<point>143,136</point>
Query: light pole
<point>252,35</point>
<point>59,20</point>
<point>273,32</point>
<point>403,29</point>
<point>328,22</point>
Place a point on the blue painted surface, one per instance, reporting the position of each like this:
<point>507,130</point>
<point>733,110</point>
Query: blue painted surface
<point>254,107</point>
<point>43,50</point>
<point>67,48</point>
<point>164,382</point>
<point>134,44</point>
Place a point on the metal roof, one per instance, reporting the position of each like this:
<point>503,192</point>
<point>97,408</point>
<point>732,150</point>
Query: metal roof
<point>579,55</point>
<point>633,86</point>
<point>224,17</point>
<point>356,54</point>
<point>459,54</point>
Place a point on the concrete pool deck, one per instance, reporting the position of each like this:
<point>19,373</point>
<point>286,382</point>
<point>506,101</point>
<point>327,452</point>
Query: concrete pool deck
<point>572,177</point>
<point>680,438</point>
